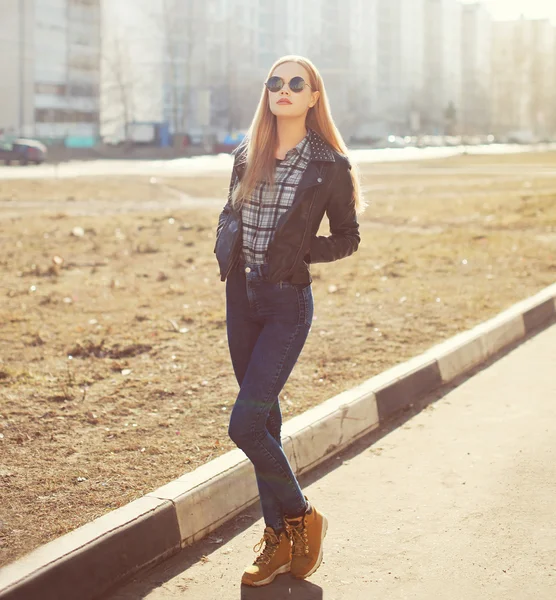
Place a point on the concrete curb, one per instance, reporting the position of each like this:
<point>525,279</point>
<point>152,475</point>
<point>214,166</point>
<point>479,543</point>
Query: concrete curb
<point>86,562</point>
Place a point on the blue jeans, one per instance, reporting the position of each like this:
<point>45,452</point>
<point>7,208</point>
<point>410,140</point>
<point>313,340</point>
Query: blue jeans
<point>267,326</point>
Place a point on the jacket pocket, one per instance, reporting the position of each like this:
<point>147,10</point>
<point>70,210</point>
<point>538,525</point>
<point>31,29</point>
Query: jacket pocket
<point>220,229</point>
<point>228,243</point>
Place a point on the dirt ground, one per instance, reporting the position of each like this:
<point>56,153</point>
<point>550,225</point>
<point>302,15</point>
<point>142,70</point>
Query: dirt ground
<point>115,376</point>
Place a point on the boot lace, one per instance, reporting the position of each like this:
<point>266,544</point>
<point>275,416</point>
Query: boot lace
<point>271,543</point>
<point>298,534</point>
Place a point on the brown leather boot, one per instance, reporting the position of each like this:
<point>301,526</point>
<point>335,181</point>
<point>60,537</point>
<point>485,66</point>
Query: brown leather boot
<point>274,559</point>
<point>307,534</point>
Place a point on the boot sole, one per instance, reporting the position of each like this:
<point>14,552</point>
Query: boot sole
<point>283,569</point>
<point>319,559</point>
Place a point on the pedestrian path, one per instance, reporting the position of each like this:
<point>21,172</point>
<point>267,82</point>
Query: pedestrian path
<point>457,503</point>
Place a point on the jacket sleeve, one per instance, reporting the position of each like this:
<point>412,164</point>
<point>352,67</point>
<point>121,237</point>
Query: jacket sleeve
<point>238,152</point>
<point>228,205</point>
<point>344,235</point>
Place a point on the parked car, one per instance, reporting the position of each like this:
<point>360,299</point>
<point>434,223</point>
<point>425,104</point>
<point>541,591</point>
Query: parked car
<point>22,151</point>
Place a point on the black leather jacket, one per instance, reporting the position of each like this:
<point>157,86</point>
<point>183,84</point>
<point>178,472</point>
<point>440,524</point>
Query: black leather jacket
<point>325,187</point>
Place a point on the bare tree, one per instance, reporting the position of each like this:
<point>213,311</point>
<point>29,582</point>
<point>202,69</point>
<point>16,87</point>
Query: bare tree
<point>233,49</point>
<point>177,24</point>
<point>541,78</point>
<point>118,88</point>
<point>181,28</point>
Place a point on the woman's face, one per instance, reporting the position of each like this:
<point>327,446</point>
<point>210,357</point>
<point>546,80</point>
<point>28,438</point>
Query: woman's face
<point>286,103</point>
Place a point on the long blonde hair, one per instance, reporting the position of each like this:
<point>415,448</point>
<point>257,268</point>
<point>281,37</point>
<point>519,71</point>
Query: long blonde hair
<point>262,137</point>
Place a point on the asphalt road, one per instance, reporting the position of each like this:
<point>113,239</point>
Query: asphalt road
<point>458,503</point>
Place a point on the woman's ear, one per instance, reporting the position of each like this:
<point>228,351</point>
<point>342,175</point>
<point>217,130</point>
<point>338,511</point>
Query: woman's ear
<point>314,99</point>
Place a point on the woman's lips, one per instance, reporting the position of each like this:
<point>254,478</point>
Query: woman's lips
<point>283,101</point>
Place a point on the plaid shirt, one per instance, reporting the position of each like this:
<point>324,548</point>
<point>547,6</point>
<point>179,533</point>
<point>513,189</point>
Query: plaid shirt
<point>260,212</point>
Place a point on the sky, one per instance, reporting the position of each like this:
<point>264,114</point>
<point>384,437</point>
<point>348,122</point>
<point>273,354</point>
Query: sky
<point>513,9</point>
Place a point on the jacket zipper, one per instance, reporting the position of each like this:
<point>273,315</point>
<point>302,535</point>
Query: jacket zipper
<point>304,233</point>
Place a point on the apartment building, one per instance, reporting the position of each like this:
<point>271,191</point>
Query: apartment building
<point>523,82</point>
<point>400,37</point>
<point>198,65</point>
<point>332,56</point>
<point>143,67</point>
<point>476,52</point>
<point>390,66</point>
<point>362,76</point>
<point>443,66</point>
<point>50,69</point>
<point>542,81</point>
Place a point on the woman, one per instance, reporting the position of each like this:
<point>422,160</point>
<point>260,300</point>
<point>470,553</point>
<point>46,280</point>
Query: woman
<point>289,171</point>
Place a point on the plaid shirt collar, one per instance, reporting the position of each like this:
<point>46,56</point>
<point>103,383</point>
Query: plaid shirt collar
<point>303,150</point>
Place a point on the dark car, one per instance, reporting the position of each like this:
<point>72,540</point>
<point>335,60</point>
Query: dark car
<point>23,151</point>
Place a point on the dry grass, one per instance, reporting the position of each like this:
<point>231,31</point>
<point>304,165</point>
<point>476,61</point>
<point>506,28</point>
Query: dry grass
<point>137,303</point>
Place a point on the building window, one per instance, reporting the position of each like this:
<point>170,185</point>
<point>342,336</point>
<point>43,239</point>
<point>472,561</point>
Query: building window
<point>58,115</point>
<point>84,63</point>
<point>51,89</point>
<point>83,90</point>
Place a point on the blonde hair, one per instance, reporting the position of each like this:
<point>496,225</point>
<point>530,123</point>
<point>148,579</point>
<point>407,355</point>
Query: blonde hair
<point>262,137</point>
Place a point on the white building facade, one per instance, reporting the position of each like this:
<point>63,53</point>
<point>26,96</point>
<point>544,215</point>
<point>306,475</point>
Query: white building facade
<point>197,66</point>
<point>400,66</point>
<point>200,65</point>
<point>362,77</point>
<point>476,69</point>
<point>50,69</point>
<point>390,66</point>
<point>523,79</point>
<point>443,66</point>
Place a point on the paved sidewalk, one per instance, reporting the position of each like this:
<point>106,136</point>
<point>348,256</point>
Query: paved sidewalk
<point>458,503</point>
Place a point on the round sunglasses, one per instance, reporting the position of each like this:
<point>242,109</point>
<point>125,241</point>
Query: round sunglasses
<point>296,84</point>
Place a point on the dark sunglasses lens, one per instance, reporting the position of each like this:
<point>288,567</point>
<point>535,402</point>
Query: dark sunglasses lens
<point>297,84</point>
<point>275,84</point>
